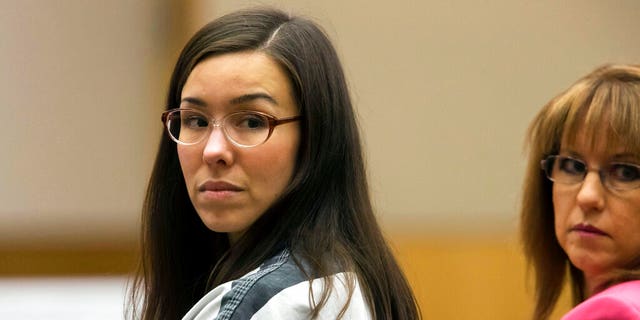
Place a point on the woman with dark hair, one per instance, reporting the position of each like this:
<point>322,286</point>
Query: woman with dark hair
<point>581,205</point>
<point>258,205</point>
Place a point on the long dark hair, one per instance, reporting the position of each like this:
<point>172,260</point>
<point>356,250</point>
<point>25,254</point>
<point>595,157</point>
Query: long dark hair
<point>324,217</point>
<point>609,95</point>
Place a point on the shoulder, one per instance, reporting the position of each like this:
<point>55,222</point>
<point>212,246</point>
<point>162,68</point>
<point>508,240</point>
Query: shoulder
<point>295,301</point>
<point>617,302</point>
<point>278,289</point>
<point>252,292</point>
<point>248,292</point>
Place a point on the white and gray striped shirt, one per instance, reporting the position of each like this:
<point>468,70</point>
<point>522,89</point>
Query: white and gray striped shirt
<point>278,290</point>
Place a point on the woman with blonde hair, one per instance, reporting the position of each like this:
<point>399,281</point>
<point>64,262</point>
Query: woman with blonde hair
<point>581,205</point>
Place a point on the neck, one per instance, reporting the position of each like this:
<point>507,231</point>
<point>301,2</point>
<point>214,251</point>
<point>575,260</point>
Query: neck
<point>594,283</point>
<point>233,237</point>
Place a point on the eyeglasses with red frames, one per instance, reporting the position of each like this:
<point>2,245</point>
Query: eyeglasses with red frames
<point>243,128</point>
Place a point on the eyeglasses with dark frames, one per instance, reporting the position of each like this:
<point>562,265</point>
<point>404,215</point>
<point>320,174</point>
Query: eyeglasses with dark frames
<point>619,176</point>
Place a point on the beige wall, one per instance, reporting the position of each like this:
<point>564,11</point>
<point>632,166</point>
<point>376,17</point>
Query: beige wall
<point>80,102</point>
<point>444,91</point>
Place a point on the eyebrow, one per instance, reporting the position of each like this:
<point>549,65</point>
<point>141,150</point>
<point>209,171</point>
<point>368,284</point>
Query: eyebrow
<point>196,101</point>
<point>625,156</point>
<point>622,156</point>
<point>253,96</point>
<point>235,101</point>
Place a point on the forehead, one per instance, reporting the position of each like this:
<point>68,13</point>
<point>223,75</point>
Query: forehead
<point>597,138</point>
<point>601,110</point>
<point>221,78</point>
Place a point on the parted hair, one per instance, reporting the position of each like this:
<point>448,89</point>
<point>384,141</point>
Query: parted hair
<point>609,98</point>
<point>324,216</point>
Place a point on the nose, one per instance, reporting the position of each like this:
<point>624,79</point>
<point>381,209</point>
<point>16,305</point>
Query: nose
<point>592,193</point>
<point>218,149</point>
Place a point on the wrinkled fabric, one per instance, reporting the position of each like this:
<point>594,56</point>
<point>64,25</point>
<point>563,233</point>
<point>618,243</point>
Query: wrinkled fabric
<point>278,289</point>
<point>619,302</point>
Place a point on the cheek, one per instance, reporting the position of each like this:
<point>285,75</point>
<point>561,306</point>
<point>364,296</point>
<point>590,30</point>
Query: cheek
<point>625,226</point>
<point>280,167</point>
<point>561,209</point>
<point>625,215</point>
<point>281,160</point>
<point>188,157</point>
<point>562,202</point>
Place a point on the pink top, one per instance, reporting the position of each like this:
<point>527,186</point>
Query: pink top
<point>619,302</point>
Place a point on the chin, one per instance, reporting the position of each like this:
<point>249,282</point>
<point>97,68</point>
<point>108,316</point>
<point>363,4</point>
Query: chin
<point>215,224</point>
<point>591,265</point>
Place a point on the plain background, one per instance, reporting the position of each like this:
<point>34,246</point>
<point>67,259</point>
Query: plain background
<point>444,91</point>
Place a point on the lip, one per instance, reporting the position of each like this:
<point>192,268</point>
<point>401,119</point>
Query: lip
<point>218,190</point>
<point>218,186</point>
<point>588,229</point>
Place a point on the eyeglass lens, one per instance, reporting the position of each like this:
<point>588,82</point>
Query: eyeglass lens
<point>616,175</point>
<point>246,128</point>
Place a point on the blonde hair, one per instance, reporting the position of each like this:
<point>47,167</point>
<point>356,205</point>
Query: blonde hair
<point>609,95</point>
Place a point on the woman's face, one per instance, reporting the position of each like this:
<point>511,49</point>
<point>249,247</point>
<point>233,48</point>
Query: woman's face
<point>231,186</point>
<point>597,227</point>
